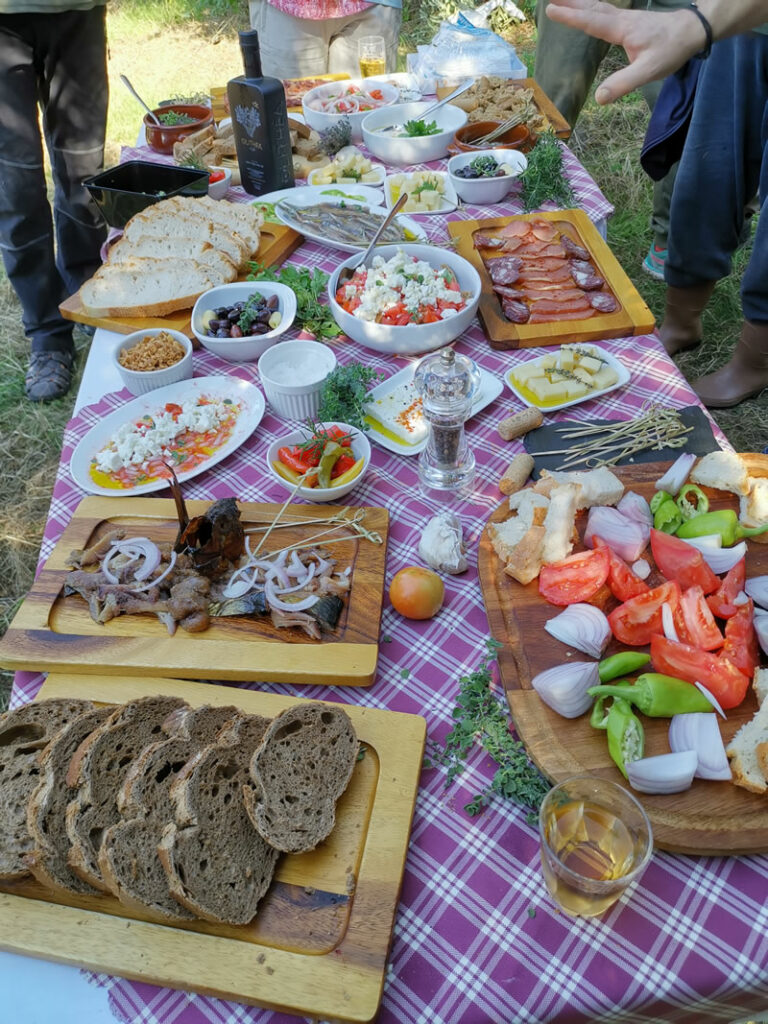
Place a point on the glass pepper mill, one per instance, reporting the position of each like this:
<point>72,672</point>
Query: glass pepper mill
<point>448,384</point>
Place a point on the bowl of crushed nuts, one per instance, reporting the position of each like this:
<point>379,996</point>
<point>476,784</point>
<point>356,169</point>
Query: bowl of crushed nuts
<point>152,358</point>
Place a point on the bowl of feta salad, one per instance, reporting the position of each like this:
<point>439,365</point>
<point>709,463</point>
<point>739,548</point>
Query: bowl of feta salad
<point>413,298</point>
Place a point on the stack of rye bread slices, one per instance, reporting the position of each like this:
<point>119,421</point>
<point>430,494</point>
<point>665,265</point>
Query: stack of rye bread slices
<point>170,253</point>
<point>179,812</point>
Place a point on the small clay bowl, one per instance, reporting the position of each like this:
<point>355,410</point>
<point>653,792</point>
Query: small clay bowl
<point>161,138</point>
<point>513,138</point>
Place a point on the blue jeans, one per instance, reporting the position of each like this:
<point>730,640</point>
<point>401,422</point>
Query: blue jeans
<point>723,166</point>
<point>56,61</point>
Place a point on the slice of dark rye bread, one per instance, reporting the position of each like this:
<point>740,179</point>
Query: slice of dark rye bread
<point>47,807</point>
<point>302,767</point>
<point>24,734</point>
<point>128,856</point>
<point>216,863</point>
<point>98,768</point>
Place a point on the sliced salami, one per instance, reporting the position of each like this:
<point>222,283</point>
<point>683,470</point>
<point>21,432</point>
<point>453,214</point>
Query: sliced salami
<point>573,249</point>
<point>515,311</point>
<point>487,242</point>
<point>504,270</point>
<point>603,302</point>
<point>589,282</point>
<point>507,292</point>
<point>583,266</point>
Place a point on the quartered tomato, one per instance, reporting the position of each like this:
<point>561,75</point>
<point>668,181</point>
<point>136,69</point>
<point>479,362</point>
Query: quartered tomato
<point>720,676</point>
<point>721,602</point>
<point>741,647</point>
<point>576,578</point>
<point>699,628</point>
<point>623,582</point>
<point>682,562</point>
<point>637,620</point>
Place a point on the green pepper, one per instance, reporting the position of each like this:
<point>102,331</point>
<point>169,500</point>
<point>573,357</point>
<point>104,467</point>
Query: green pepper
<point>599,718</point>
<point>687,508</point>
<point>667,517</point>
<point>659,498</point>
<point>626,739</point>
<point>331,454</point>
<point>625,663</point>
<point>657,696</point>
<point>724,522</point>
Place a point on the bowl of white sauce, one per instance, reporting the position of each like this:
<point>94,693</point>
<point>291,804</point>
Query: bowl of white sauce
<point>292,374</point>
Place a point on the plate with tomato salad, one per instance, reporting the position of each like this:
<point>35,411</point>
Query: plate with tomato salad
<point>190,453</point>
<point>710,817</point>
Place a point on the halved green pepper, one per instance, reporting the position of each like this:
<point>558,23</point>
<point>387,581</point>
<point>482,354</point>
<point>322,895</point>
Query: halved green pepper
<point>332,452</point>
<point>658,499</point>
<point>724,522</point>
<point>687,507</point>
<point>656,695</point>
<point>667,517</point>
<point>625,663</point>
<point>626,739</point>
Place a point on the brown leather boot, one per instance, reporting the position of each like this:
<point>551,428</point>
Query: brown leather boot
<point>681,328</point>
<point>744,375</point>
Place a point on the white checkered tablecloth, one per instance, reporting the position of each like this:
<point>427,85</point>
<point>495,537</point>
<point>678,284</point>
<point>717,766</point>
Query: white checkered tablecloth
<point>476,938</point>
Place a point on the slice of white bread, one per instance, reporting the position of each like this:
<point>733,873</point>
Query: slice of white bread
<point>524,563</point>
<point>216,863</point>
<point>169,220</point>
<point>149,246</point>
<point>748,753</point>
<point>243,218</point>
<point>561,516</point>
<point>724,470</point>
<point>531,508</point>
<point>598,486</point>
<point>302,767</point>
<point>753,506</point>
<point>146,287</point>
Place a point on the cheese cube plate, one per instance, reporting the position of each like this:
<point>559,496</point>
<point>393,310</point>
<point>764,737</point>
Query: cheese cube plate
<point>555,406</point>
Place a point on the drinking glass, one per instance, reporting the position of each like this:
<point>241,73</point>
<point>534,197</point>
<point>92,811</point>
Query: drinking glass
<point>372,56</point>
<point>596,840</point>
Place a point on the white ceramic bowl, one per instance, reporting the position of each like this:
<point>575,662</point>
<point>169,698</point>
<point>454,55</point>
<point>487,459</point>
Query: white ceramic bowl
<point>361,449</point>
<point>292,375</point>
<point>412,338</point>
<point>481,191</point>
<point>243,350</point>
<point>141,382</point>
<point>320,120</point>
<point>218,189</point>
<point>418,150</point>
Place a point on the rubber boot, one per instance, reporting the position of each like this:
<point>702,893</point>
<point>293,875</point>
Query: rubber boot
<point>744,375</point>
<point>681,328</point>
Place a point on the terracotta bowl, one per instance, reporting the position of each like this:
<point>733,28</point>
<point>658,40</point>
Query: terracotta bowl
<point>161,138</point>
<point>514,138</point>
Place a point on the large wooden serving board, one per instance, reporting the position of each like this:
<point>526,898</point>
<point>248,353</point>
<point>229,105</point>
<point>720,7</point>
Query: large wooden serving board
<point>318,945</point>
<point>277,243</point>
<point>632,317</point>
<point>710,817</point>
<point>51,632</point>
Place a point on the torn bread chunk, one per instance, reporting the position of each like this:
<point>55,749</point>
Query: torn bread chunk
<point>560,522</point>
<point>524,563</point>
<point>723,470</point>
<point>753,506</point>
<point>748,753</point>
<point>505,536</point>
<point>598,486</point>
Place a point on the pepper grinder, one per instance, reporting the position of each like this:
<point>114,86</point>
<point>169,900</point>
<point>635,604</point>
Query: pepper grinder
<point>448,384</point>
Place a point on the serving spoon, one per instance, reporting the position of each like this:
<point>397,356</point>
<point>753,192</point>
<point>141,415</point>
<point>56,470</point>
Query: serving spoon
<point>349,272</point>
<point>434,106</point>
<point>133,92</point>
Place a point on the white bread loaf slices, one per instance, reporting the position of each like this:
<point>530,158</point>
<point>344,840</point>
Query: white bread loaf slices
<point>146,287</point>
<point>172,219</point>
<point>598,486</point>
<point>151,247</point>
<point>243,218</point>
<point>724,470</point>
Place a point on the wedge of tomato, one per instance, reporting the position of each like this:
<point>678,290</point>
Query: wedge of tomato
<point>575,578</point>
<point>721,602</point>
<point>637,620</point>
<point>699,628</point>
<point>719,675</point>
<point>741,647</point>
<point>682,562</point>
<point>623,582</point>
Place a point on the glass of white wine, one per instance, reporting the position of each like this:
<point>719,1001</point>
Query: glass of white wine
<point>372,56</point>
<point>596,841</point>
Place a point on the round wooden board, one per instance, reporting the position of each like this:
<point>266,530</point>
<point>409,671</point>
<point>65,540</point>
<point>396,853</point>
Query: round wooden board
<point>710,817</point>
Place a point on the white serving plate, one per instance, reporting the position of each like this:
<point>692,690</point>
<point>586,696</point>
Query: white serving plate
<point>233,388</point>
<point>405,222</point>
<point>490,389</point>
<point>378,169</point>
<point>450,199</point>
<point>612,361</point>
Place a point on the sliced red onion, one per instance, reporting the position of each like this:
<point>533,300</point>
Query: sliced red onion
<point>564,687</point>
<point>626,537</point>
<point>757,588</point>
<point>297,567</point>
<point>641,568</point>
<point>159,579</point>
<point>664,773</point>
<point>302,583</point>
<point>237,588</point>
<point>135,549</point>
<point>677,474</point>
<point>668,623</point>
<point>105,566</point>
<point>581,626</point>
<point>709,542</point>
<point>634,506</point>
<point>151,554</point>
<point>699,731</point>
<point>721,560</point>
<point>711,698</point>
<point>287,606</point>
<point>760,622</point>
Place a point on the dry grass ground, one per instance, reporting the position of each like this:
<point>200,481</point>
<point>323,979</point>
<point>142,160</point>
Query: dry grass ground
<point>163,56</point>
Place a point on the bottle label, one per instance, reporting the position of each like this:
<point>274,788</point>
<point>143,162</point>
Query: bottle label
<point>249,119</point>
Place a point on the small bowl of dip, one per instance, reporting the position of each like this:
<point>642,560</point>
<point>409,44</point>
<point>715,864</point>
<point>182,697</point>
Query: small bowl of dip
<point>292,375</point>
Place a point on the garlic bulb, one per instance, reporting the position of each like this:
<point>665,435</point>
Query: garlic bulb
<point>441,545</point>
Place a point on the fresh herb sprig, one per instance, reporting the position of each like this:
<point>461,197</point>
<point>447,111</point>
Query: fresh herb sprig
<point>307,285</point>
<point>250,312</point>
<point>544,178</point>
<point>480,719</point>
<point>415,129</point>
<point>342,399</point>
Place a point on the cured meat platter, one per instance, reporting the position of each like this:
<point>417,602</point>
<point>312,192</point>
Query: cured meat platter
<point>708,818</point>
<point>547,278</point>
<point>319,942</point>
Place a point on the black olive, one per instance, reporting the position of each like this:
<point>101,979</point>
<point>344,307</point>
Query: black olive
<point>262,329</point>
<point>222,332</point>
<point>272,302</point>
<point>220,311</point>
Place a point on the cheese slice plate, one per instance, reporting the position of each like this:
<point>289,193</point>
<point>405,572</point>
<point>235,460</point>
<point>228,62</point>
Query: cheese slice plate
<point>513,378</point>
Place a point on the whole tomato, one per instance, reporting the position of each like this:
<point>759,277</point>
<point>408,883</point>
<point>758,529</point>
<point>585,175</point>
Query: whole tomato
<point>416,593</point>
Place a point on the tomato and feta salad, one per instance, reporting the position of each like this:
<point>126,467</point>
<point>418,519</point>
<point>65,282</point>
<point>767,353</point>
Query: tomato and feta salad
<point>181,435</point>
<point>400,291</point>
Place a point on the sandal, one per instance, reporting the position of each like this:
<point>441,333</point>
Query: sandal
<point>49,375</point>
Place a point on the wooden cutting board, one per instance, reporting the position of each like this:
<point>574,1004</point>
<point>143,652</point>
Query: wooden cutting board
<point>710,817</point>
<point>632,317</point>
<point>541,101</point>
<point>51,632</point>
<point>318,945</point>
<point>277,243</point>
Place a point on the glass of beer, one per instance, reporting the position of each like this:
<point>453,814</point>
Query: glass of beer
<point>372,56</point>
<point>596,841</point>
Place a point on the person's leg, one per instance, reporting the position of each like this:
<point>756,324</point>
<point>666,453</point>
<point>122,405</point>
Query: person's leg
<point>290,47</point>
<point>375,21</point>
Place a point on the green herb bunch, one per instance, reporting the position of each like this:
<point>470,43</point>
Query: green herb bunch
<point>307,285</point>
<point>415,129</point>
<point>480,718</point>
<point>544,178</point>
<point>174,117</point>
<point>342,399</point>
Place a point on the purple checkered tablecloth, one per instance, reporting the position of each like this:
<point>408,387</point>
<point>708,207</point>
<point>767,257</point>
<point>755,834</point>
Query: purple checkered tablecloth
<point>476,937</point>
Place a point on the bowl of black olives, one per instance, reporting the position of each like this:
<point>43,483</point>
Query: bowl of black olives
<point>485,177</point>
<point>240,321</point>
